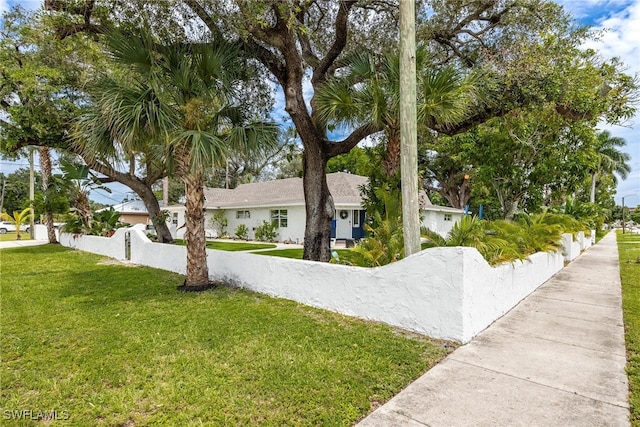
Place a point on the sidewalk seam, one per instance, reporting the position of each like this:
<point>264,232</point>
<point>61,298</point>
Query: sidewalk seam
<point>540,384</point>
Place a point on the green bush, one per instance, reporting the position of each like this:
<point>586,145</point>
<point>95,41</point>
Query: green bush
<point>242,232</point>
<point>384,243</point>
<point>267,231</point>
<point>506,241</point>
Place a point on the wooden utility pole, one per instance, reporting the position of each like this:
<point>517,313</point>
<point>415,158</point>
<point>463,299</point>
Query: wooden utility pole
<point>32,191</point>
<point>409,128</point>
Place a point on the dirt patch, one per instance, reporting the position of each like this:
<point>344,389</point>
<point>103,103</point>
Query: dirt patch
<point>111,261</point>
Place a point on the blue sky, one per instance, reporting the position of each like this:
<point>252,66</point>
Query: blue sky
<point>620,19</point>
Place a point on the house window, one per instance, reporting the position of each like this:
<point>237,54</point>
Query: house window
<point>447,217</point>
<point>243,214</point>
<point>279,217</point>
<point>356,218</point>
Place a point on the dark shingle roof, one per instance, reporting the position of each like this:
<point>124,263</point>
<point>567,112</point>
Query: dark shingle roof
<point>344,187</point>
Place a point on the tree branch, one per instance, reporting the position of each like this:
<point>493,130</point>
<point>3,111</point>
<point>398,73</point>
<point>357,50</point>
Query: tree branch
<point>341,147</point>
<point>84,11</point>
<point>340,41</point>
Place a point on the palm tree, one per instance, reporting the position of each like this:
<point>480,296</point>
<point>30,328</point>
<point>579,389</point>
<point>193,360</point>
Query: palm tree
<point>18,219</point>
<point>608,160</point>
<point>45,166</point>
<point>370,92</point>
<point>181,97</point>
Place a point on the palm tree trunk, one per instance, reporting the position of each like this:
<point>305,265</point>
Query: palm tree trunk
<point>592,194</point>
<point>197,269</point>
<point>45,166</point>
<point>391,161</point>
<point>84,208</point>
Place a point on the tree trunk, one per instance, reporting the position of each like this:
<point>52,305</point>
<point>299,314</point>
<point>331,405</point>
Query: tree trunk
<point>510,208</point>
<point>45,166</point>
<point>391,161</point>
<point>197,269</point>
<point>155,212</point>
<point>142,189</point>
<point>83,207</point>
<point>319,207</point>
<point>592,194</point>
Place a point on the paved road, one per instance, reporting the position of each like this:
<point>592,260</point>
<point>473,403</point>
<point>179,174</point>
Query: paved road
<point>557,359</point>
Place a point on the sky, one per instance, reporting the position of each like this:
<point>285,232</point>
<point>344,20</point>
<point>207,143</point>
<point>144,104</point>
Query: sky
<point>619,18</point>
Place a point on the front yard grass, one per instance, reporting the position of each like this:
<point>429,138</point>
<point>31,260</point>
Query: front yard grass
<point>10,236</point>
<point>233,246</point>
<point>110,344</point>
<point>629,255</point>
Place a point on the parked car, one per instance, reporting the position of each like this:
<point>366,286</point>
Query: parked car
<point>56,225</point>
<point>6,226</point>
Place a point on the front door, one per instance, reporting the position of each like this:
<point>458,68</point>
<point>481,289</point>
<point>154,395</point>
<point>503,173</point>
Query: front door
<point>343,224</point>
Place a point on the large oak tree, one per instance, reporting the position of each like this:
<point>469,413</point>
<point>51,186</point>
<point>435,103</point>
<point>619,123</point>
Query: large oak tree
<point>301,43</point>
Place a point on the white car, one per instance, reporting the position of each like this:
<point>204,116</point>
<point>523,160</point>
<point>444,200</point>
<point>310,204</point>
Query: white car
<point>6,226</point>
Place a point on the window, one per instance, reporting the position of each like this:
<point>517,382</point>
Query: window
<point>447,217</point>
<point>279,217</point>
<point>243,214</point>
<point>356,218</point>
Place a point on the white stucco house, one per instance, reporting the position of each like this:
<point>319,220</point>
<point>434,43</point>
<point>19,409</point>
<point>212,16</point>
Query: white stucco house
<point>282,201</point>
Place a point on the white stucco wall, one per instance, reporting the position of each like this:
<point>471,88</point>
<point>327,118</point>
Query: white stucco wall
<point>449,293</point>
<point>40,232</point>
<point>490,292</point>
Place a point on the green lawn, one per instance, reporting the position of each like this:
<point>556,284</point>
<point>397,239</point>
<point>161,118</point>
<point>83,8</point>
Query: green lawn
<point>629,252</point>
<point>110,344</point>
<point>296,253</point>
<point>12,235</point>
<point>233,246</point>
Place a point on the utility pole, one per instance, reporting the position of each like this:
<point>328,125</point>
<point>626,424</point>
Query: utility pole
<point>32,231</point>
<point>4,184</point>
<point>408,128</point>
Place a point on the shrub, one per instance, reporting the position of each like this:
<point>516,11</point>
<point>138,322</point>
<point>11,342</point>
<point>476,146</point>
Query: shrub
<point>242,232</point>
<point>219,223</point>
<point>266,232</point>
<point>475,233</point>
<point>384,243</point>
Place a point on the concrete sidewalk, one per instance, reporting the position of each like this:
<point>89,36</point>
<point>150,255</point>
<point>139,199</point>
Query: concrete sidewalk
<point>556,359</point>
<point>21,243</point>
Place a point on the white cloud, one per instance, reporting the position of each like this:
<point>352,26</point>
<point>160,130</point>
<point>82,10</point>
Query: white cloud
<point>622,38</point>
<point>620,19</point>
<point>4,6</point>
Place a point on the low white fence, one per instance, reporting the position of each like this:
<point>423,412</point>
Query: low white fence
<point>449,293</point>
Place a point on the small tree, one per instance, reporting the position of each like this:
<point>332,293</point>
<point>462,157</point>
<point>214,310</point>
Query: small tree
<point>18,219</point>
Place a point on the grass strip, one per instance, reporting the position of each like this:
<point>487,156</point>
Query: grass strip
<point>233,246</point>
<point>104,343</point>
<point>629,255</point>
